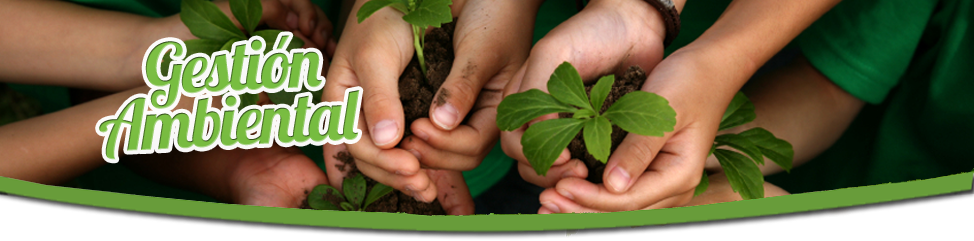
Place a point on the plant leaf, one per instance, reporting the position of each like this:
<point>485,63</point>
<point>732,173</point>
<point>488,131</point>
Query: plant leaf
<point>518,109</point>
<point>354,188</point>
<point>378,191</point>
<point>544,141</point>
<point>745,177</point>
<point>247,12</point>
<point>583,114</point>
<point>348,206</point>
<point>373,6</point>
<point>739,112</point>
<point>430,13</point>
<point>642,113</point>
<point>778,150</point>
<point>601,90</point>
<point>598,138</point>
<point>566,86</point>
<point>702,187</point>
<point>205,20</point>
<point>742,144</point>
<point>316,198</point>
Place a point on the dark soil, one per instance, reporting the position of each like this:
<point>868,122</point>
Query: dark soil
<point>631,81</point>
<point>416,94</point>
<point>394,202</point>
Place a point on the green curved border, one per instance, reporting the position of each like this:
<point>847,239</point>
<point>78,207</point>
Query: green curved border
<point>480,223</point>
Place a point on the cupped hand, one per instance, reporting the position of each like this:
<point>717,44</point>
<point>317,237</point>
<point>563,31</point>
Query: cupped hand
<point>373,54</point>
<point>657,172</point>
<point>492,40</point>
<point>606,37</point>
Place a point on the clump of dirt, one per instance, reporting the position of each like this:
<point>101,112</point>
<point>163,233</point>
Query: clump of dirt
<point>631,81</point>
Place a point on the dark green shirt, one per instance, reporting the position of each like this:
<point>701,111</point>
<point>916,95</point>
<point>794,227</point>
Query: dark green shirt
<point>912,62</point>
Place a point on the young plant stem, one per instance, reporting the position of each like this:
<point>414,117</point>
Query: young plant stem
<point>418,39</point>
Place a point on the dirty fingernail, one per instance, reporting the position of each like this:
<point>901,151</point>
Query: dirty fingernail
<point>551,207</point>
<point>292,20</point>
<point>618,179</point>
<point>385,132</point>
<point>445,116</point>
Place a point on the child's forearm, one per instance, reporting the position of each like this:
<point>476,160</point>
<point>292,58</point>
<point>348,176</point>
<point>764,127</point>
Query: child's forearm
<point>749,33</point>
<point>57,147</point>
<point>66,44</point>
<point>800,105</point>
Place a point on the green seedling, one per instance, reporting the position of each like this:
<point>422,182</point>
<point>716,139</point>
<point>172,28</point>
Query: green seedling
<point>217,32</point>
<point>355,198</point>
<point>756,143</point>
<point>639,112</point>
<point>421,14</point>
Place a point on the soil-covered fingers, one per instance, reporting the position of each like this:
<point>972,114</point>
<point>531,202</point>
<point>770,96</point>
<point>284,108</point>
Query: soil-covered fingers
<point>334,166</point>
<point>669,176</point>
<point>417,185</point>
<point>452,191</point>
<point>491,43</point>
<point>462,148</point>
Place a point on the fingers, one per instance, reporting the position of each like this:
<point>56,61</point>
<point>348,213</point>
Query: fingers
<point>571,169</point>
<point>552,202</point>
<point>417,185</point>
<point>452,191</point>
<point>630,160</point>
<point>334,166</point>
<point>302,16</point>
<point>672,179</point>
<point>394,160</point>
<point>434,158</point>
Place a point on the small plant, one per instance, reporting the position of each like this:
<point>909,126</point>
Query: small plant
<point>216,32</point>
<point>637,112</point>
<point>419,13</point>
<point>757,143</point>
<point>326,197</point>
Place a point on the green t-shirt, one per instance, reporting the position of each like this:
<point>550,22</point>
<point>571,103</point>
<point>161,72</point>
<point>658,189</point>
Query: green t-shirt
<point>911,60</point>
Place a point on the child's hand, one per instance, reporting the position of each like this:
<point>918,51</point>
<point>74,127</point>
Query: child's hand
<point>606,37</point>
<point>373,55</point>
<point>492,40</point>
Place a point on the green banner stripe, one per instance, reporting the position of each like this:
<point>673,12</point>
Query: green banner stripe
<point>502,222</point>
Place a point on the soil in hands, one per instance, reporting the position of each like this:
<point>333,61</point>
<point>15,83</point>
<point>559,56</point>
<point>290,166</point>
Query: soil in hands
<point>631,81</point>
<point>417,95</point>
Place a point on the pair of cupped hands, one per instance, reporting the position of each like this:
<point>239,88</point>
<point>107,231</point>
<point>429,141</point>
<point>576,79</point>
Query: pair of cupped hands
<point>494,58</point>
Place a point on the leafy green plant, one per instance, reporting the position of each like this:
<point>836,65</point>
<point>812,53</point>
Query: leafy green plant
<point>637,112</point>
<point>419,13</point>
<point>355,198</point>
<point>217,32</point>
<point>756,143</point>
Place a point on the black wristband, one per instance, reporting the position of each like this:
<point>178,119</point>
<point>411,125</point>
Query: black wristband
<point>666,9</point>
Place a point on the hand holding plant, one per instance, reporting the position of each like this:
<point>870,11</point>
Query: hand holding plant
<point>373,55</point>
